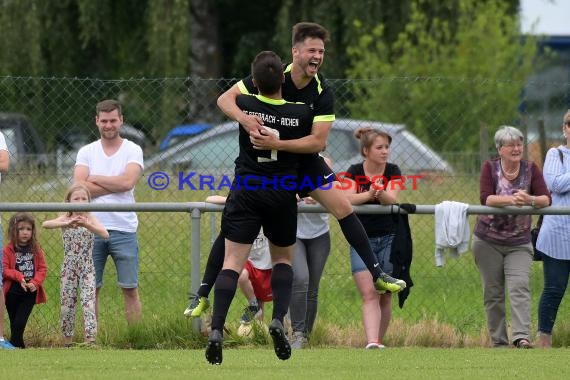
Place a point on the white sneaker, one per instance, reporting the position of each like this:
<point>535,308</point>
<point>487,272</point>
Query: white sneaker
<point>298,340</point>
<point>374,346</point>
<point>4,344</point>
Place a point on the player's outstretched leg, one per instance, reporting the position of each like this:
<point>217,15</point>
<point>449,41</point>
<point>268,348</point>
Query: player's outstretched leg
<point>197,306</point>
<point>386,283</point>
<point>199,301</point>
<point>280,341</point>
<point>336,202</point>
<point>214,347</point>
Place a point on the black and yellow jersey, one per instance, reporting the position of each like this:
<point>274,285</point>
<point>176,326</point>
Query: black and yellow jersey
<point>317,94</point>
<point>289,120</point>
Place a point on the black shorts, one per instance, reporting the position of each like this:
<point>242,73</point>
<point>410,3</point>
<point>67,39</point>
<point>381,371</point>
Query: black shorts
<point>313,173</point>
<point>246,211</point>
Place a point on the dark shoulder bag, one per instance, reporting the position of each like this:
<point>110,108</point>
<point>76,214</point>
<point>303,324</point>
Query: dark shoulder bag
<point>537,255</point>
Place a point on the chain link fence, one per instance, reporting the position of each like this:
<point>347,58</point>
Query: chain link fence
<point>442,129</point>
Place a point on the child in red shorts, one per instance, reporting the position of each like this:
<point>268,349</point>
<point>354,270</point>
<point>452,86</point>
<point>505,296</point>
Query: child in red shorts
<point>255,280</point>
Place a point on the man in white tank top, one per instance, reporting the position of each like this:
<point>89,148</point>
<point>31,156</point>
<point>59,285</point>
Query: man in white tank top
<point>110,168</point>
<point>4,165</point>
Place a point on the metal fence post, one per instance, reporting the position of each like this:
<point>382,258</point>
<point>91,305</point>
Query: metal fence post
<point>196,215</point>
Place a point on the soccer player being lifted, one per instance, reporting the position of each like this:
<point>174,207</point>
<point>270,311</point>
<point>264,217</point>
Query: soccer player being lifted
<point>303,83</point>
<point>256,203</point>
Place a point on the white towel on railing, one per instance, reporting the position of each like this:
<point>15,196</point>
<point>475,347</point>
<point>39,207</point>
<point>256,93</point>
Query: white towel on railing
<point>452,230</point>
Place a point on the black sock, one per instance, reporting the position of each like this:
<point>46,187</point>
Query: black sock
<point>224,293</point>
<point>281,287</point>
<point>213,266</point>
<point>356,236</point>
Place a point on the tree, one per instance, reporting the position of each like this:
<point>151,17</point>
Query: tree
<point>203,39</point>
<point>338,17</point>
<point>97,39</point>
<point>444,78</point>
<point>20,37</point>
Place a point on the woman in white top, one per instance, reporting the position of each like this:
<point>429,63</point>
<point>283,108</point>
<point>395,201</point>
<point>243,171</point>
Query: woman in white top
<point>311,253</point>
<point>4,164</point>
<point>553,240</point>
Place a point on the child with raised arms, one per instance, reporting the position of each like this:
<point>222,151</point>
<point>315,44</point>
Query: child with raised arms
<point>78,270</point>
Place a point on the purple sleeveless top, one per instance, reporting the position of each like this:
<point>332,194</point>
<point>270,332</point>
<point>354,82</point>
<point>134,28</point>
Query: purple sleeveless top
<point>507,229</point>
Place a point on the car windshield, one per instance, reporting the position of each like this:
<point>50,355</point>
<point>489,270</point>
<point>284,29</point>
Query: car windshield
<point>341,145</point>
<point>412,155</point>
<point>10,137</point>
<point>214,152</point>
<point>215,155</point>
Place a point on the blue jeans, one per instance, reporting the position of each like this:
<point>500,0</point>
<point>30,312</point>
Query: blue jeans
<point>382,248</point>
<point>123,247</point>
<point>556,274</point>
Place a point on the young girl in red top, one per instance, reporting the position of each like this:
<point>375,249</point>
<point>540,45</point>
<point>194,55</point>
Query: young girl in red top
<point>24,271</point>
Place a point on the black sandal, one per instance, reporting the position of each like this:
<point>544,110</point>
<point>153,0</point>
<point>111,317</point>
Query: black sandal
<point>522,343</point>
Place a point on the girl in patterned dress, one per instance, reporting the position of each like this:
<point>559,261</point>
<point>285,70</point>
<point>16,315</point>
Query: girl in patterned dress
<point>78,270</point>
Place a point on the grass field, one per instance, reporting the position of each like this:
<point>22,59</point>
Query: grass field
<point>444,308</point>
<point>314,364</point>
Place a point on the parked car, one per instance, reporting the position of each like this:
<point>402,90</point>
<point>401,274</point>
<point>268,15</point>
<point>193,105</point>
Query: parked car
<point>182,132</point>
<point>407,151</point>
<point>72,138</point>
<point>24,143</point>
<point>214,151</point>
<point>134,134</point>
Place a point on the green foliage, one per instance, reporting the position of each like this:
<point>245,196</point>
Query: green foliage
<point>452,62</point>
<point>20,37</point>
<point>95,38</point>
<point>242,35</point>
<point>134,38</point>
<point>337,17</point>
<point>168,42</point>
<point>93,17</point>
<point>60,42</point>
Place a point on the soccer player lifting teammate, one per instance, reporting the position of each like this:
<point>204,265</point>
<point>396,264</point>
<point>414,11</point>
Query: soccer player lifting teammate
<point>303,83</point>
<point>250,207</point>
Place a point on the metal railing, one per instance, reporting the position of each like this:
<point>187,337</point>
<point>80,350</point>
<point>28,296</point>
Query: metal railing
<point>198,249</point>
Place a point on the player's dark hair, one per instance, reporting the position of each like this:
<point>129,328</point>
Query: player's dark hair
<point>267,72</point>
<point>304,30</point>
